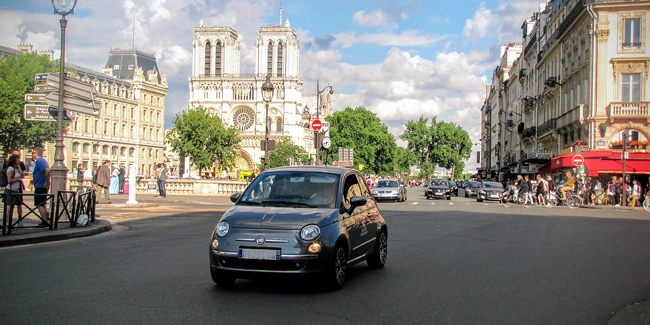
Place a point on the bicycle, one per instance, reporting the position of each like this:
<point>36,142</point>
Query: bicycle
<point>509,196</point>
<point>646,201</point>
<point>573,200</point>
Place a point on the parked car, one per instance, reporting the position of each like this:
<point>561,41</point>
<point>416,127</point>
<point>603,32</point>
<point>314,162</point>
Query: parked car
<point>490,191</point>
<point>389,189</point>
<point>299,220</point>
<point>471,189</point>
<point>439,188</point>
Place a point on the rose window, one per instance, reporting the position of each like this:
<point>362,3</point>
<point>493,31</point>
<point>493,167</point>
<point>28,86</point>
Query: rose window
<point>244,118</point>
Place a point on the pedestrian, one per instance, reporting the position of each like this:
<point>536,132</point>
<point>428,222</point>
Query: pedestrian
<point>611,191</point>
<point>104,180</point>
<point>80,177</point>
<point>41,185</point>
<point>121,177</point>
<point>635,194</point>
<point>162,179</point>
<point>15,176</point>
<point>541,190</point>
<point>114,189</point>
<point>22,168</point>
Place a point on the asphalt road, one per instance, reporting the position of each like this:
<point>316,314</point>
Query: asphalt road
<point>450,262</point>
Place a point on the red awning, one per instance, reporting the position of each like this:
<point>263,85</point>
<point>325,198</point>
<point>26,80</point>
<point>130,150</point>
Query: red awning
<point>602,161</point>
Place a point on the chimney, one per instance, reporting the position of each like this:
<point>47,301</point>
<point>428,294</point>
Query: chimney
<point>26,48</point>
<point>49,53</point>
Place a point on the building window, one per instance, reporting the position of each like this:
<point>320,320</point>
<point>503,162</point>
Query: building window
<point>114,129</point>
<point>278,125</point>
<point>631,87</point>
<point>75,146</point>
<point>106,128</point>
<point>116,67</point>
<point>280,48</point>
<point>132,112</point>
<point>96,148</point>
<point>632,33</point>
<point>243,118</point>
<point>217,59</point>
<point>105,150</point>
<point>96,127</point>
<point>130,67</point>
<point>85,148</point>
<point>208,49</point>
<point>269,60</point>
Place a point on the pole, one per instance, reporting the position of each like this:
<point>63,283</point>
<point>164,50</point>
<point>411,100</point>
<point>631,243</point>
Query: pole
<point>624,196</point>
<point>318,118</point>
<point>266,136</point>
<point>59,170</point>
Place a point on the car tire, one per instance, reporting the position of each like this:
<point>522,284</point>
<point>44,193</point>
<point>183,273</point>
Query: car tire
<point>221,279</point>
<point>338,270</point>
<point>377,259</point>
<point>449,198</point>
<point>479,200</point>
<point>466,194</point>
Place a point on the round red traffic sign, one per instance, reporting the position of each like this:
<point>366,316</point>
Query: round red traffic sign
<point>578,160</point>
<point>316,125</point>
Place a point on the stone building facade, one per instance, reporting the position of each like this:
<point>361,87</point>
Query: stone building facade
<point>217,84</point>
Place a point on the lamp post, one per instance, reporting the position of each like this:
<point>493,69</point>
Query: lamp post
<point>267,94</point>
<point>318,106</point>
<point>59,171</point>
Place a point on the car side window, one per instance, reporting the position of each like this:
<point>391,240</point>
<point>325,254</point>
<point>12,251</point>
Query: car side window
<point>364,188</point>
<point>351,188</point>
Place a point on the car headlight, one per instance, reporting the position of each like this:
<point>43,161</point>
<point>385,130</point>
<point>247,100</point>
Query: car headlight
<point>222,228</point>
<point>482,192</point>
<point>395,192</point>
<point>310,232</point>
<point>375,192</point>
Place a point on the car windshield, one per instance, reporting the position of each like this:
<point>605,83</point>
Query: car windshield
<point>474,184</point>
<point>439,182</point>
<point>387,183</point>
<point>292,188</point>
<point>494,185</point>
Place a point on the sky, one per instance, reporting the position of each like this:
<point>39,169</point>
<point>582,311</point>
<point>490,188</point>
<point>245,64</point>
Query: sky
<point>400,59</point>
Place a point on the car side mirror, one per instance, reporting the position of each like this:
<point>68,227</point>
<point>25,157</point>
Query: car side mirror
<point>355,201</point>
<point>235,197</point>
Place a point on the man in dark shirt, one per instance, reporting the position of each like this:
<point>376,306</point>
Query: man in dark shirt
<point>121,177</point>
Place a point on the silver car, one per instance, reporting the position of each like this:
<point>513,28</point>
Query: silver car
<point>389,189</point>
<point>299,220</point>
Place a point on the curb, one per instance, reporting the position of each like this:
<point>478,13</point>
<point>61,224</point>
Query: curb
<point>98,227</point>
<point>637,313</point>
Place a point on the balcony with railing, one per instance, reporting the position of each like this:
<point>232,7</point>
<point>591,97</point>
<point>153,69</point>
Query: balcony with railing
<point>547,127</point>
<point>575,115</point>
<point>628,110</point>
<point>529,133</point>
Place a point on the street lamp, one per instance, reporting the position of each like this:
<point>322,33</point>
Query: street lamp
<point>318,106</point>
<point>59,171</point>
<point>267,94</point>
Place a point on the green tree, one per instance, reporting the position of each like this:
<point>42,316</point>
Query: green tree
<point>204,138</point>
<point>359,129</point>
<point>440,144</point>
<point>404,159</point>
<point>17,79</point>
<point>284,150</point>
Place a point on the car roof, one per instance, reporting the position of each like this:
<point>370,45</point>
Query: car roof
<point>312,168</point>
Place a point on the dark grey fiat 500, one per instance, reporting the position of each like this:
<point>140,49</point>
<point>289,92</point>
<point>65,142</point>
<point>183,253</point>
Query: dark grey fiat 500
<point>299,220</point>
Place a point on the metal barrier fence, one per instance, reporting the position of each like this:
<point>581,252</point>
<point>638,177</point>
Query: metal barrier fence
<point>70,204</point>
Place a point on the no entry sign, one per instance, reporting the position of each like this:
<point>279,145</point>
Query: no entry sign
<point>578,160</point>
<point>316,125</point>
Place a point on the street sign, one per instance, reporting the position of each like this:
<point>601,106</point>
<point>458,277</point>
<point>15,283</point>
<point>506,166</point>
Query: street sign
<point>40,76</point>
<point>72,87</point>
<point>54,112</point>
<point>578,160</point>
<point>74,104</point>
<point>325,127</point>
<point>316,125</point>
<point>39,98</point>
<point>43,88</point>
<point>342,163</point>
<point>41,112</point>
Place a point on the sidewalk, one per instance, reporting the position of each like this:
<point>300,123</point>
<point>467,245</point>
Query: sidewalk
<point>29,234</point>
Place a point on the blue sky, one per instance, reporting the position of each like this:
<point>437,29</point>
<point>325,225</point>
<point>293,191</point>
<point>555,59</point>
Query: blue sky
<point>398,58</point>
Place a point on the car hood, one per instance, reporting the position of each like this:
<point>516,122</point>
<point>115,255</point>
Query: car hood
<point>491,190</point>
<point>277,217</point>
<point>439,187</point>
<point>386,189</point>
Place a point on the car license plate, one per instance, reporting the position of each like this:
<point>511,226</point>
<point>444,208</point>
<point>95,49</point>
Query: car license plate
<point>260,254</point>
<point>437,193</point>
<point>494,195</point>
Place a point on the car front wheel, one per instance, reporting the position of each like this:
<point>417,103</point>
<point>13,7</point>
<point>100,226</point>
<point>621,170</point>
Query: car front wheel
<point>338,271</point>
<point>377,259</point>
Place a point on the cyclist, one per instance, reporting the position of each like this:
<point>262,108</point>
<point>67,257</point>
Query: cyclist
<point>568,185</point>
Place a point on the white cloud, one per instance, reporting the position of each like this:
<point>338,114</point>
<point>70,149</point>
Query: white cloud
<point>504,21</point>
<point>481,25</point>
<point>407,38</point>
<point>375,19</point>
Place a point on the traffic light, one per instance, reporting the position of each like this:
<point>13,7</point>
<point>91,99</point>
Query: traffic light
<point>577,149</point>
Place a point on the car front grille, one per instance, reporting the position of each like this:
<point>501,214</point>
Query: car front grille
<point>237,263</point>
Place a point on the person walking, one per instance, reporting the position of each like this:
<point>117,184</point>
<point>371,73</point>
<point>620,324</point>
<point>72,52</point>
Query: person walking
<point>114,189</point>
<point>80,177</point>
<point>121,177</point>
<point>41,185</point>
<point>104,180</point>
<point>635,194</point>
<point>162,179</point>
<point>14,187</point>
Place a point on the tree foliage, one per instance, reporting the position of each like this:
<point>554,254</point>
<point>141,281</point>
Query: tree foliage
<point>204,138</point>
<point>17,79</point>
<point>284,150</point>
<point>440,144</point>
<point>404,159</point>
<point>359,129</point>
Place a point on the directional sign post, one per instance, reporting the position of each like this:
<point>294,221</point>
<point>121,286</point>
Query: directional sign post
<point>38,98</point>
<point>43,112</point>
<point>578,160</point>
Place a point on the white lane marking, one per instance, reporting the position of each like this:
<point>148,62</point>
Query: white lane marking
<point>414,203</point>
<point>451,203</point>
<point>433,203</point>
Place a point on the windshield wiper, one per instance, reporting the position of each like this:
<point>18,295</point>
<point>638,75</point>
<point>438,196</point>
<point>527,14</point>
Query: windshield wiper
<point>289,203</point>
<point>249,202</point>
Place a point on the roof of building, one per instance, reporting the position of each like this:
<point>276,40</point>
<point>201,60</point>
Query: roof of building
<point>124,63</point>
<point>7,51</point>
